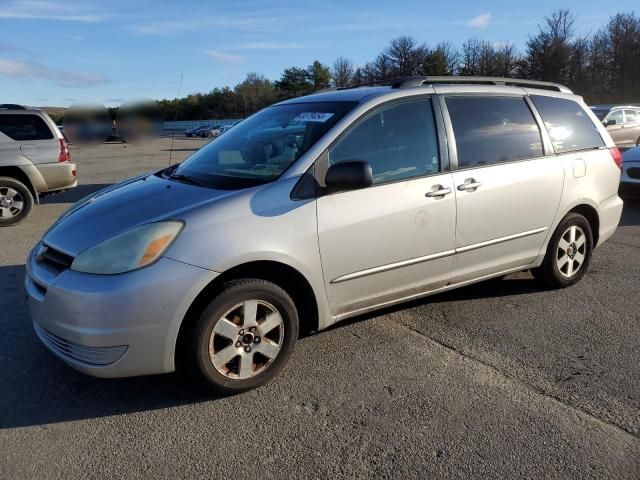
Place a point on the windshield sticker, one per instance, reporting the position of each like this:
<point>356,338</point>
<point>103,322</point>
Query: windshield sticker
<point>313,117</point>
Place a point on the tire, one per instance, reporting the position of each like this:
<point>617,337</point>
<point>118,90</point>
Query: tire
<point>568,253</point>
<point>232,359</point>
<point>16,201</point>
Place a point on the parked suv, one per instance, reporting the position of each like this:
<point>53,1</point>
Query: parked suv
<point>34,160</point>
<point>622,122</point>
<point>318,209</point>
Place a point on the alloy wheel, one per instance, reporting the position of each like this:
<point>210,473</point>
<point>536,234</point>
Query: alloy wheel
<point>246,339</point>
<point>11,202</point>
<point>572,249</point>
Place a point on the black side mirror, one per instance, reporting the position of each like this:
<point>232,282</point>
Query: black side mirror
<point>350,175</point>
<point>610,122</point>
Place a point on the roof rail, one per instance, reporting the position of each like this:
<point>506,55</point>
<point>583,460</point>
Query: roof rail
<point>11,106</point>
<point>461,80</point>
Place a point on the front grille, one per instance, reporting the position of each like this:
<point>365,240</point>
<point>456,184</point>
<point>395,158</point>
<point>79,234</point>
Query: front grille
<point>97,356</point>
<point>634,172</point>
<point>55,258</point>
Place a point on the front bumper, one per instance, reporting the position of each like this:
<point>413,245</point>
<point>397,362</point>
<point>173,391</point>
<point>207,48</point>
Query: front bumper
<point>113,325</point>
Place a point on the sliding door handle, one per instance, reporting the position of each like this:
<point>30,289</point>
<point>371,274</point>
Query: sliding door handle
<point>438,191</point>
<point>469,185</point>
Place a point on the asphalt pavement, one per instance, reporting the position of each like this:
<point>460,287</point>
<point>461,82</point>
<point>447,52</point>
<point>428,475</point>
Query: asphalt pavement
<point>501,379</point>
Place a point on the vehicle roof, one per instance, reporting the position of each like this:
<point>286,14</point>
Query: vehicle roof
<point>359,94</point>
<point>19,110</point>
<point>611,107</point>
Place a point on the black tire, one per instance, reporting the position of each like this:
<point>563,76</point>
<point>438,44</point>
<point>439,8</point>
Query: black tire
<point>8,184</point>
<point>197,360</point>
<point>549,273</point>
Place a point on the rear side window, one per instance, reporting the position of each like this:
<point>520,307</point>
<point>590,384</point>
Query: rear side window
<point>492,129</point>
<point>632,116</point>
<point>25,128</point>
<point>569,126</point>
<point>398,141</point>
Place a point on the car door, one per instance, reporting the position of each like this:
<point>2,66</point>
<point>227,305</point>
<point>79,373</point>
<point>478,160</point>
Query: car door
<point>394,239</point>
<point>616,130</point>
<point>507,190</point>
<point>632,127</point>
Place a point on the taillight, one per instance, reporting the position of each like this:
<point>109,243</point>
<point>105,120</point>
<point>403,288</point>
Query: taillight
<point>65,155</point>
<point>617,156</point>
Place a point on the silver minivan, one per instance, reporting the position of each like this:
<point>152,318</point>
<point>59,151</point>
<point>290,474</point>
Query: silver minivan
<point>318,209</point>
<point>34,160</point>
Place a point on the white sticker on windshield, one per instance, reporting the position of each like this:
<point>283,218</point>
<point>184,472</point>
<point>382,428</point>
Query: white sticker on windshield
<point>313,117</point>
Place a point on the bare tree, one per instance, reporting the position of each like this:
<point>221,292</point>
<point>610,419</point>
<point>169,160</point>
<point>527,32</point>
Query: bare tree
<point>343,71</point>
<point>405,56</point>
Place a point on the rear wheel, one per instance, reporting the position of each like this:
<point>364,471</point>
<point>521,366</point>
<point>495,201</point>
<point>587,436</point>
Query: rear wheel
<point>568,253</point>
<point>244,337</point>
<point>16,201</point>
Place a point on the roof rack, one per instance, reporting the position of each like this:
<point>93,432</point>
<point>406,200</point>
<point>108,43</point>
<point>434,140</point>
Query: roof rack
<point>461,80</point>
<point>11,106</point>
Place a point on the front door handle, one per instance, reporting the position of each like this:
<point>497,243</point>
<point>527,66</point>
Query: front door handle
<point>438,191</point>
<point>469,185</point>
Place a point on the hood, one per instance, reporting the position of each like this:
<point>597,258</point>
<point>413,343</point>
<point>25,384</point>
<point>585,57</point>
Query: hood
<point>120,208</point>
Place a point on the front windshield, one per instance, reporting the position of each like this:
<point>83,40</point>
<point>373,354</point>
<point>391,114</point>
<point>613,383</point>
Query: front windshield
<point>600,112</point>
<point>262,147</point>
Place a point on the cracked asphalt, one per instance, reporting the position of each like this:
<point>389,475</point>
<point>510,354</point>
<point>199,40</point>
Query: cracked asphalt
<point>502,379</point>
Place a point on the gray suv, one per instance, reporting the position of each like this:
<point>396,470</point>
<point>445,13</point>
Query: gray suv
<point>34,160</point>
<point>318,209</point>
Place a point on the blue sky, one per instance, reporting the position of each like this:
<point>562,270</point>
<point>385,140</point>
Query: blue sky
<point>64,51</point>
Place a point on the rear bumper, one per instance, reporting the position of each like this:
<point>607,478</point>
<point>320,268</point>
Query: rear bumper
<point>609,213</point>
<point>58,176</point>
<point>113,325</point>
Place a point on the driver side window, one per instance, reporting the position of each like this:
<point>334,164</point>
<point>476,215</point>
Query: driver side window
<point>399,142</point>
<point>617,116</point>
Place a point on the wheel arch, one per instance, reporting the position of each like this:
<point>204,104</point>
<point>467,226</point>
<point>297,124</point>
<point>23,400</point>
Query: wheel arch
<point>283,275</point>
<point>19,174</point>
<point>591,214</point>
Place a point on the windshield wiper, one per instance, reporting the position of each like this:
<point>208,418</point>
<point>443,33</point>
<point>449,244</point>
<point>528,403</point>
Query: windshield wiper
<point>181,177</point>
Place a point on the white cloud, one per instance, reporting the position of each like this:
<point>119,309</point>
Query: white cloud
<point>27,71</point>
<point>224,22</point>
<point>73,37</point>
<point>49,10</point>
<point>271,46</point>
<point>224,57</point>
<point>481,21</point>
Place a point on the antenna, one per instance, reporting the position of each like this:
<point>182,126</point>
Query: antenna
<point>173,130</point>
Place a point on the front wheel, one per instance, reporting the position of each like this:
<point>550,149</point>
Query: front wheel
<point>568,253</point>
<point>244,337</point>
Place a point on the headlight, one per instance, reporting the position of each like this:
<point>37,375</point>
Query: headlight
<point>130,250</point>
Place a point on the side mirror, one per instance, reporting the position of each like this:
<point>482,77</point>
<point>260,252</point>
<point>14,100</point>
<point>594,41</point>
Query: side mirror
<point>350,175</point>
<point>610,122</point>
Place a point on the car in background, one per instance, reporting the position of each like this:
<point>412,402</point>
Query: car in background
<point>228,127</point>
<point>34,160</point>
<point>195,131</point>
<point>622,123</point>
<point>210,132</point>
<point>630,179</point>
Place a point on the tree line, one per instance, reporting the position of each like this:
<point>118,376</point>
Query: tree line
<point>603,67</point>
